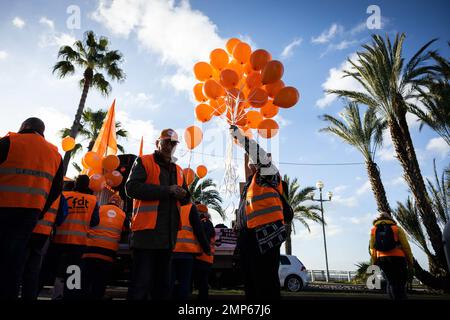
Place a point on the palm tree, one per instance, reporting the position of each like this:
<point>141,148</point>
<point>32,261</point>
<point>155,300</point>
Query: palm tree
<point>361,272</point>
<point>366,135</point>
<point>434,93</point>
<point>388,86</point>
<point>91,123</point>
<point>302,212</point>
<point>207,194</point>
<point>93,57</point>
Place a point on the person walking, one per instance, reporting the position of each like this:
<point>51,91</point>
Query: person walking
<point>156,183</point>
<point>31,177</point>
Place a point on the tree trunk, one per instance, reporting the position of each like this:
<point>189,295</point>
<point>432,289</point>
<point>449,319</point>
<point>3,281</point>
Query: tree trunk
<point>288,242</point>
<point>438,283</point>
<point>406,155</point>
<point>76,123</point>
<point>377,187</point>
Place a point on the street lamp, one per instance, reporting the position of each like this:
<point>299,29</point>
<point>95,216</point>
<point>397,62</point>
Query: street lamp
<point>320,186</point>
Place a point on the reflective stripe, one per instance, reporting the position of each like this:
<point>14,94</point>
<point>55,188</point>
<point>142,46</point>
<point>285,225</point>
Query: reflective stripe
<point>263,212</point>
<point>187,228</point>
<point>262,197</point>
<point>116,230</point>
<point>70,233</point>
<point>75,221</point>
<point>145,209</point>
<point>28,190</point>
<point>186,240</point>
<point>90,236</point>
<point>35,173</point>
<point>52,211</point>
<point>45,223</point>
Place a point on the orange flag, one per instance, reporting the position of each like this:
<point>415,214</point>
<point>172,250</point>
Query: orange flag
<point>106,142</point>
<point>141,148</point>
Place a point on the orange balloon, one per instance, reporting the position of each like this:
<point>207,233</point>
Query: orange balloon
<point>216,75</point>
<point>218,106</point>
<point>286,97</point>
<point>269,110</point>
<point>68,143</point>
<point>218,58</point>
<point>254,80</point>
<point>204,112</point>
<point>253,119</point>
<point>259,59</point>
<point>231,44</point>
<point>201,171</point>
<point>212,89</point>
<point>97,182</point>
<point>242,52</point>
<point>189,175</point>
<point>203,71</point>
<point>110,162</point>
<point>238,68</point>
<point>273,88</point>
<point>91,171</point>
<point>198,93</point>
<point>83,163</point>
<point>229,78</point>
<point>268,128</point>
<point>114,178</point>
<point>92,160</point>
<point>235,96</point>
<point>193,136</point>
<point>257,97</point>
<point>248,68</point>
<point>273,71</point>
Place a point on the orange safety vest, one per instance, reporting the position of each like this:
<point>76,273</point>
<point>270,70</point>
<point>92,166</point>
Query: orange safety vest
<point>212,244</point>
<point>263,204</point>
<point>74,229</point>
<point>45,225</point>
<point>186,240</point>
<point>27,174</point>
<point>107,233</point>
<point>145,212</point>
<point>396,252</point>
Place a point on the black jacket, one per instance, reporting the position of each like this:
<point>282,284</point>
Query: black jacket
<point>55,189</point>
<point>165,233</point>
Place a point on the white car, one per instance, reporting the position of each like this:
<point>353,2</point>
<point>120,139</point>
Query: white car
<point>292,273</point>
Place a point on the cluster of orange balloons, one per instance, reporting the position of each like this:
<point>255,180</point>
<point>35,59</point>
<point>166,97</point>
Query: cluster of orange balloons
<point>244,87</point>
<point>189,174</point>
<point>67,143</point>
<point>101,171</point>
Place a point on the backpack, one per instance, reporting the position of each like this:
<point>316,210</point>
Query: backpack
<point>384,238</point>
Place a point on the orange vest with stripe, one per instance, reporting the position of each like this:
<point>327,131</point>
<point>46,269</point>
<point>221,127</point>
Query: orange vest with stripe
<point>186,240</point>
<point>396,252</point>
<point>74,229</point>
<point>45,225</point>
<point>145,212</point>
<point>212,244</point>
<point>263,204</point>
<point>27,174</point>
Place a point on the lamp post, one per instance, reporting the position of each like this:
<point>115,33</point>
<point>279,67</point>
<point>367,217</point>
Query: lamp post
<point>320,186</point>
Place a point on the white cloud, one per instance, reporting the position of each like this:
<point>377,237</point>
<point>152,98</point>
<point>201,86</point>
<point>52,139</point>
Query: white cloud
<point>438,146</point>
<point>387,153</point>
<point>53,38</point>
<point>332,229</point>
<point>3,55</point>
<point>181,81</point>
<point>18,22</point>
<point>362,220</point>
<point>397,181</point>
<point>350,202</point>
<point>329,34</point>
<point>139,100</point>
<point>335,80</point>
<point>358,28</point>
<point>289,49</point>
<point>47,22</point>
<point>344,44</point>
<point>366,187</point>
<point>340,188</point>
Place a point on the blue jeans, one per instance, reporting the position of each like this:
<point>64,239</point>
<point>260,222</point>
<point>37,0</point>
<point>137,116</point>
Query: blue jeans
<point>15,232</point>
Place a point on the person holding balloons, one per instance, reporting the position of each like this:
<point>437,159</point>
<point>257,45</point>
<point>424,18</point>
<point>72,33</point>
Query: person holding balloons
<point>156,183</point>
<point>259,223</point>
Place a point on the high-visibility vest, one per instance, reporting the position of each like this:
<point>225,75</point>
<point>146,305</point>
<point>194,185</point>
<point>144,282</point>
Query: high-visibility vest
<point>212,244</point>
<point>45,225</point>
<point>145,212</point>
<point>396,252</point>
<point>75,227</point>
<point>186,240</point>
<point>263,204</point>
<point>27,174</point>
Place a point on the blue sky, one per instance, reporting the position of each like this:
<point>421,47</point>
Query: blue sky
<point>162,40</point>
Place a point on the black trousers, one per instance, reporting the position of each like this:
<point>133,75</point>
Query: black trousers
<point>260,271</point>
<point>202,270</point>
<point>95,277</point>
<point>181,278</point>
<point>15,232</point>
<point>396,271</point>
<point>150,274</point>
